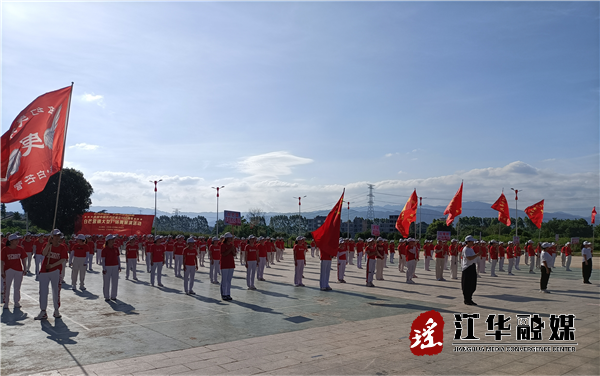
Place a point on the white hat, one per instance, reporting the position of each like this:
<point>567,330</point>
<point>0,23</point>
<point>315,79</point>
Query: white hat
<point>530,241</point>
<point>546,245</point>
<point>215,239</point>
<point>190,240</point>
<point>56,232</point>
<point>469,238</point>
<point>80,237</point>
<point>585,243</point>
<point>12,237</point>
<point>110,237</point>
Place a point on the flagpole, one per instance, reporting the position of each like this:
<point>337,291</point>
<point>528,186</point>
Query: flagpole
<point>63,155</point>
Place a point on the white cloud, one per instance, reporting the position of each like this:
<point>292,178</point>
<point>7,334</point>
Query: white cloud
<point>84,146</point>
<point>93,98</point>
<point>389,155</point>
<point>272,164</point>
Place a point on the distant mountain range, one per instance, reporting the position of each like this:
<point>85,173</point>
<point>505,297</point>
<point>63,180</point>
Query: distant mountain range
<point>426,213</point>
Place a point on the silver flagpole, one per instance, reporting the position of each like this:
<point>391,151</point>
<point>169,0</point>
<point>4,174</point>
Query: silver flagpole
<point>63,156</point>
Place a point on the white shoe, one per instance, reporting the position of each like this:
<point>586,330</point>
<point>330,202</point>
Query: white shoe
<point>42,316</point>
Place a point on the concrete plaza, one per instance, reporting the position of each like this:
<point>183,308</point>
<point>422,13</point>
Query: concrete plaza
<point>280,329</point>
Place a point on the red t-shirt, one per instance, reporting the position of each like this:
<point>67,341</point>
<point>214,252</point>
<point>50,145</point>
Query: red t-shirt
<point>90,246</point>
<point>170,246</point>
<point>369,249</point>
<point>179,247</point>
<point>100,243</point>
<point>380,250</point>
<point>299,252</point>
<point>12,258</point>
<point>360,246</point>
<point>493,253</point>
<point>392,248</point>
<point>262,250</point>
<point>149,247</point>
<point>439,247</point>
<point>158,253</point>
<point>215,251</point>
<point>131,251</point>
<point>410,255</point>
<point>251,252</point>
<point>325,256</point>
<point>80,250</point>
<point>55,254</point>
<point>227,261</point>
<point>509,252</point>
<point>39,247</point>
<point>189,256</point>
<point>110,256</point>
<point>501,251</point>
<point>28,246</point>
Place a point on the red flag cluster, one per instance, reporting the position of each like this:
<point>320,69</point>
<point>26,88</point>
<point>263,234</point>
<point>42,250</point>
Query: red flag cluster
<point>407,215</point>
<point>327,236</point>
<point>32,148</point>
<point>454,209</point>
<point>501,205</point>
<point>535,212</point>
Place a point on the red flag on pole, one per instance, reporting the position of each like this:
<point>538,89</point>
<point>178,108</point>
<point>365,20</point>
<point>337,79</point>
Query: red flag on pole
<point>501,205</point>
<point>535,212</point>
<point>327,236</point>
<point>407,215</point>
<point>454,209</point>
<point>32,148</point>
<point>594,215</point>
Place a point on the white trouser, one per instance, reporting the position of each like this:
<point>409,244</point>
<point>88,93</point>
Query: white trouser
<point>370,270</point>
<point>454,267</point>
<point>149,261</point>
<point>494,263</point>
<point>38,263</point>
<point>439,268</point>
<point>312,251</point>
<point>111,282</point>
<point>537,261</point>
<point>226,277</point>
<point>79,268</point>
<point>298,272</point>
<point>243,258</point>
<point>427,262</point>
<point>178,265</point>
<point>568,262</point>
<point>271,257</point>
<point>411,266</point>
<point>385,259</point>
<point>517,260</point>
<point>325,271</point>
<point>16,277</point>
<point>511,264</point>
<point>250,273</point>
<point>392,258</point>
<point>563,258</point>
<point>98,256</point>
<point>188,277</point>
<point>277,254</point>
<point>481,265</point>
<point>531,263</point>
<point>215,267</point>
<point>379,264</point>
<point>526,259</point>
<point>169,257</point>
<point>501,264</point>
<point>29,256</point>
<point>71,255</point>
<point>359,259</point>
<point>90,261</point>
<point>46,279</point>
<point>351,257</point>
<point>446,262</point>
<point>401,262</point>
<point>341,269</point>
<point>156,271</point>
<point>202,255</point>
<point>262,261</point>
<point>131,265</point>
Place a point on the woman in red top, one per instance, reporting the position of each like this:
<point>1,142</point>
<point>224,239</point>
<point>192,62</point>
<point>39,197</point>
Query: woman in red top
<point>158,260</point>
<point>190,265</point>
<point>299,261</point>
<point>111,266</point>
<point>79,265</point>
<point>55,257</point>
<point>251,251</point>
<point>227,265</point>
<point>13,264</point>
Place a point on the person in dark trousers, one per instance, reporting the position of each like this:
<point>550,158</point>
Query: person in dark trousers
<point>547,262</point>
<point>586,265</point>
<point>469,273</point>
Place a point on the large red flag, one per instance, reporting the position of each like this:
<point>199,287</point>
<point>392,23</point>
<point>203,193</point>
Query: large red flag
<point>454,208</point>
<point>535,212</point>
<point>32,148</point>
<point>594,215</point>
<point>327,236</point>
<point>501,205</point>
<point>407,215</point>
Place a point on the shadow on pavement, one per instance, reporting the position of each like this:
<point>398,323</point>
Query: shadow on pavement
<point>13,318</point>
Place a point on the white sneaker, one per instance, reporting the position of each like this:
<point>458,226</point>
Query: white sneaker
<point>42,316</point>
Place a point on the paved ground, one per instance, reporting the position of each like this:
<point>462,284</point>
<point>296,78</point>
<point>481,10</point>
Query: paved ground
<point>282,329</point>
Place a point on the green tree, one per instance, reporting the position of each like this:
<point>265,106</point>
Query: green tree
<point>3,210</point>
<point>438,225</point>
<point>74,200</point>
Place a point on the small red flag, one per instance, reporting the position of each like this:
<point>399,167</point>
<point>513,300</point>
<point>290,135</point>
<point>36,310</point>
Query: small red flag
<point>535,212</point>
<point>327,236</point>
<point>32,148</point>
<point>501,205</point>
<point>407,215</point>
<point>454,209</point>
<point>594,215</point>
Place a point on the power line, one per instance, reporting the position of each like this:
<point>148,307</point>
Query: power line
<point>371,209</point>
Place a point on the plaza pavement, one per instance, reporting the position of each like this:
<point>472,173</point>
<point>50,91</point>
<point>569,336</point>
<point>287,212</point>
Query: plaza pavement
<point>285,330</point>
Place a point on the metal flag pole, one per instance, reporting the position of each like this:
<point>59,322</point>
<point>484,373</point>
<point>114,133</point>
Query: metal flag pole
<point>348,219</point>
<point>63,156</point>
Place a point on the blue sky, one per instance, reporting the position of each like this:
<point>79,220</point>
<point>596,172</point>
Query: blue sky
<point>277,99</point>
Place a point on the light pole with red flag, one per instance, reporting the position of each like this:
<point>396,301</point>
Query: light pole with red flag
<point>217,223</point>
<point>155,201</point>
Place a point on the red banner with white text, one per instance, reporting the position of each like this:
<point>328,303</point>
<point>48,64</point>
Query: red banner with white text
<point>116,224</point>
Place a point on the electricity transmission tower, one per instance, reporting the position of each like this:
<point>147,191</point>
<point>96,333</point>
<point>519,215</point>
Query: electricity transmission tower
<point>370,209</point>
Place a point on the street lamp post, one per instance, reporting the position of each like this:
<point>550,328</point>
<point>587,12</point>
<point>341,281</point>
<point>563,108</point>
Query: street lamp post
<point>217,223</point>
<point>516,212</point>
<point>420,210</point>
<point>348,219</point>
<point>155,200</point>
<point>299,214</point>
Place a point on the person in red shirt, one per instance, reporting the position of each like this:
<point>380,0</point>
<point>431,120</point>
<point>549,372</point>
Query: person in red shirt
<point>360,246</point>
<point>28,245</point>
<point>568,253</point>
<point>190,262</point>
<point>530,256</point>
<point>227,265</point>
<point>262,258</point>
<point>132,255</point>
<point>501,254</point>
<point>170,248</point>
<point>202,248</point>
<point>79,266</point>
<point>39,258</point>
<point>299,260</point>
<point>13,264</point>
<point>341,257</point>
<point>251,251</point>
<point>325,271</point>
<point>214,254</point>
<point>313,245</point>
<point>482,256</point>
<point>371,251</point>
<point>179,246</point>
<point>401,255</point>
<point>158,260</point>
<point>428,253</point>
<point>392,251</point>
<point>380,247</point>
<point>517,255</point>
<point>99,246</point>
<point>148,246</point>
<point>55,257</point>
<point>411,259</point>
<point>111,266</point>
<point>91,249</point>
<point>510,256</point>
<point>440,251</point>
<point>493,249</point>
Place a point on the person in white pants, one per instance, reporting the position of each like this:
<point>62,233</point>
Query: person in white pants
<point>38,258</point>
<point>359,253</point>
<point>411,262</point>
<point>13,267</point>
<point>169,253</point>
<point>111,266</point>
<point>91,248</point>
<point>262,259</point>
<point>312,248</point>
<point>341,257</point>
<point>132,257</point>
<point>299,252</point>
<point>371,261</point>
<point>190,262</point>
<point>493,250</point>
<point>380,263</point>
<point>325,272</point>
<point>214,255</point>
<point>158,261</point>
<point>202,245</point>
<point>251,251</point>
<point>29,246</point>
<point>80,252</point>
<point>55,257</point>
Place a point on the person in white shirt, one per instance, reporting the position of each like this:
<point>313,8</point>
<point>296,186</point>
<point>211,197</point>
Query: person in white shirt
<point>586,265</point>
<point>546,261</point>
<point>469,273</point>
